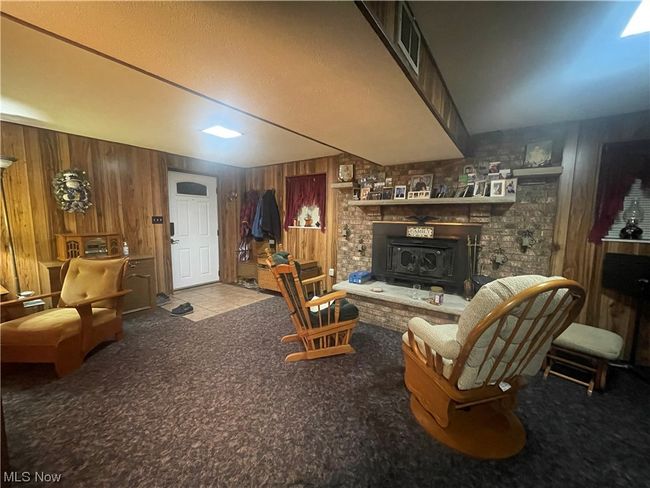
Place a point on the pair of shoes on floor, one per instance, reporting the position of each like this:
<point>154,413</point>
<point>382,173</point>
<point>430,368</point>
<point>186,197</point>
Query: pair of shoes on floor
<point>162,298</point>
<point>183,309</point>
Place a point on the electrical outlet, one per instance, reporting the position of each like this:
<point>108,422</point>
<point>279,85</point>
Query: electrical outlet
<point>157,219</point>
<point>331,272</point>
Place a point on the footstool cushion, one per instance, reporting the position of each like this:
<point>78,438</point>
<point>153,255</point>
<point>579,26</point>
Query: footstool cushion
<point>590,340</point>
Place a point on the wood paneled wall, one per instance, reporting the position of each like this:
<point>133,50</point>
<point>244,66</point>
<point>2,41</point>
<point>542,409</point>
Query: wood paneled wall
<point>575,257</point>
<point>303,243</point>
<point>129,186</point>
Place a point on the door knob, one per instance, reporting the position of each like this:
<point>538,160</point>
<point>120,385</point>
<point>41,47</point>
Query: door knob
<point>174,241</point>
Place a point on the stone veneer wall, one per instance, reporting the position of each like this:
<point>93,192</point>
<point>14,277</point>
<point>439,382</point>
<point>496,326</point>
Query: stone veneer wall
<point>535,208</point>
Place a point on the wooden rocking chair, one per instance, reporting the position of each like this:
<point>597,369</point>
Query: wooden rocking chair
<point>464,377</point>
<point>325,331</point>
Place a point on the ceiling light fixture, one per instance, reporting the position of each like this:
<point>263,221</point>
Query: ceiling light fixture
<point>640,21</point>
<point>223,132</point>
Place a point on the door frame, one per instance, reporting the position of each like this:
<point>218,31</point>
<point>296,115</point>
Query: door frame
<point>167,245</point>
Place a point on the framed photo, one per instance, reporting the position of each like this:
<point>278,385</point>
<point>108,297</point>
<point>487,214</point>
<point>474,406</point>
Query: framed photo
<point>504,174</point>
<point>364,193</point>
<point>494,167</point>
<point>387,193</point>
<point>498,188</point>
<point>460,191</point>
<point>511,186</point>
<point>538,154</point>
<point>468,169</point>
<point>346,172</point>
<point>469,191</point>
<point>389,182</point>
<point>421,183</point>
<point>479,188</point>
<point>400,192</point>
<point>374,195</point>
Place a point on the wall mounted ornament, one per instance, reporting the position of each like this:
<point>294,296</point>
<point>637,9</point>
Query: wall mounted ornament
<point>72,190</point>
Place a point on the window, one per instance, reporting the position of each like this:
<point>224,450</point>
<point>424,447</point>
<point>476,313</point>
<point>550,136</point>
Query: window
<point>191,188</point>
<point>409,36</point>
<point>644,201</point>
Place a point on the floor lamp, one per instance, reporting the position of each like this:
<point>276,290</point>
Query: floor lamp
<point>5,162</point>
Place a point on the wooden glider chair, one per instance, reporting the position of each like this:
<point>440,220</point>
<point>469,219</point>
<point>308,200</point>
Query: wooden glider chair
<point>323,325</point>
<point>464,377</point>
<point>89,312</point>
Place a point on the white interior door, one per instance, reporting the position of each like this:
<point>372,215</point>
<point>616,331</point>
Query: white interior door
<point>195,237</point>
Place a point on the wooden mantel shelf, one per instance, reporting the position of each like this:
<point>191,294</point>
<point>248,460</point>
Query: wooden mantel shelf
<point>434,201</point>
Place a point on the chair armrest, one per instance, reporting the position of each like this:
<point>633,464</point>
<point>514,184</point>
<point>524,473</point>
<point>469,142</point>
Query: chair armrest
<point>335,295</point>
<point>315,279</point>
<point>92,300</point>
<point>11,303</point>
<point>442,344</point>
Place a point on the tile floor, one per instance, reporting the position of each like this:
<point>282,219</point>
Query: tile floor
<point>214,299</point>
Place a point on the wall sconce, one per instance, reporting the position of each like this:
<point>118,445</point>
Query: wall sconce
<point>526,239</point>
<point>232,196</point>
<point>345,232</point>
<point>361,247</point>
<point>499,258</point>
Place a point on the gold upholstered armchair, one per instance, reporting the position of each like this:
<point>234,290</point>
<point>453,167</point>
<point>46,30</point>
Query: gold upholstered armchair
<point>89,312</point>
<point>323,324</point>
<point>464,377</point>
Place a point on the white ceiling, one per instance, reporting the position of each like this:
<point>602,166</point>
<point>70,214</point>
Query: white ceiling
<point>517,64</point>
<point>315,68</point>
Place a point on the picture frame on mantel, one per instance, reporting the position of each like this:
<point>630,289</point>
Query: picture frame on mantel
<point>538,154</point>
<point>400,192</point>
<point>498,188</point>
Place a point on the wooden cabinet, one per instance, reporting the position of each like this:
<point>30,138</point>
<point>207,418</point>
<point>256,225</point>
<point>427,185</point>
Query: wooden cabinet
<point>266,280</point>
<point>100,245</point>
<point>140,275</point>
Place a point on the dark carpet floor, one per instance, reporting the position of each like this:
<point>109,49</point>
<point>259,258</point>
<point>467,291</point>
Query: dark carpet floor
<point>212,403</point>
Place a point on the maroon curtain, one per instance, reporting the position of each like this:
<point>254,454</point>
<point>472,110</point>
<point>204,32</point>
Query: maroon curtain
<point>305,190</point>
<point>621,165</point>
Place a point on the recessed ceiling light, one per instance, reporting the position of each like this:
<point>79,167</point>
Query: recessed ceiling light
<point>223,132</point>
<point>640,21</point>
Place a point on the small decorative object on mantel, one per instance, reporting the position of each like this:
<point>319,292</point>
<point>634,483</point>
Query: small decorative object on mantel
<point>526,240</point>
<point>538,154</point>
<point>421,219</point>
<point>346,173</point>
<point>633,216</point>
<point>308,220</point>
<point>72,190</point>
<point>400,192</point>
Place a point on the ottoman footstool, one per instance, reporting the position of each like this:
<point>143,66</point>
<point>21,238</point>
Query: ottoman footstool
<point>584,348</point>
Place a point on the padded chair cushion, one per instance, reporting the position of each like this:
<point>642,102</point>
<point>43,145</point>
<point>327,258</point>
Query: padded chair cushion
<point>487,299</point>
<point>49,327</point>
<point>590,340</point>
<point>445,330</point>
<point>440,338</point>
<point>347,311</point>
<point>87,278</point>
